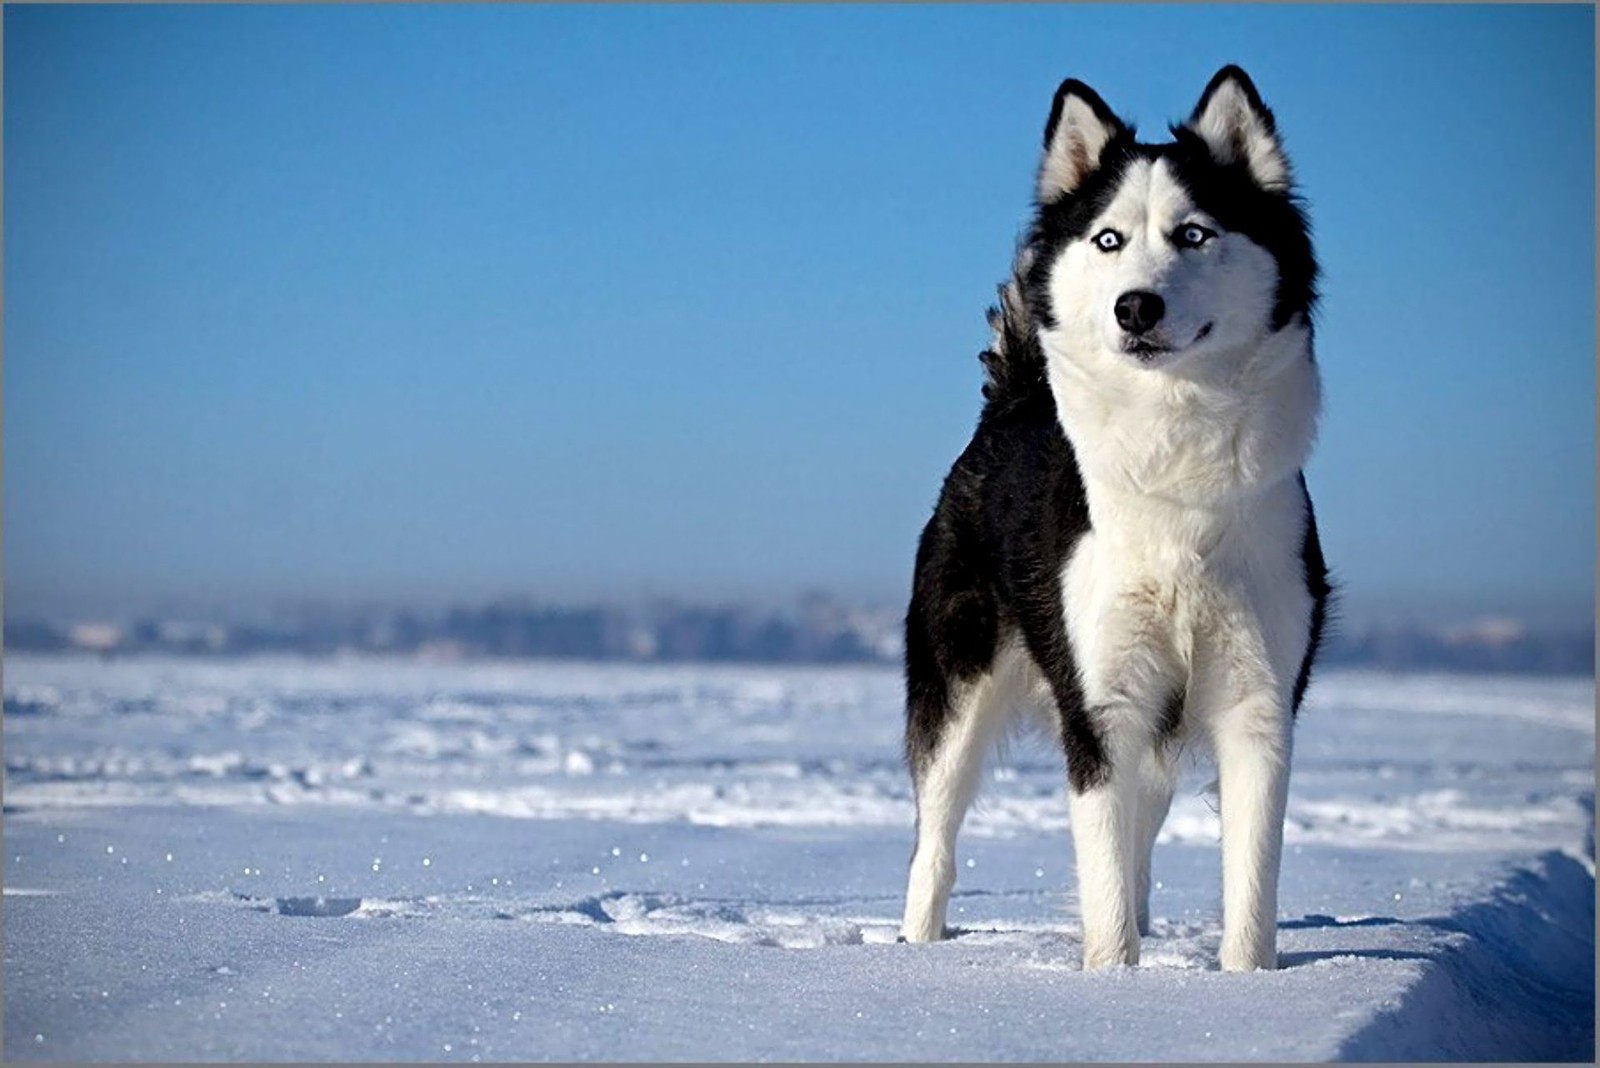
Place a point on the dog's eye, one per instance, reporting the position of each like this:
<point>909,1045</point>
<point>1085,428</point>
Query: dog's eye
<point>1108,240</point>
<point>1192,236</point>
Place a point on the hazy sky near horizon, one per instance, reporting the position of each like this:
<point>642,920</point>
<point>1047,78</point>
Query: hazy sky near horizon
<point>428,304</point>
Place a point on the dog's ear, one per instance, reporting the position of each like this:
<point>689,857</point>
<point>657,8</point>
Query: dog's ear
<point>1079,129</point>
<point>1239,128</point>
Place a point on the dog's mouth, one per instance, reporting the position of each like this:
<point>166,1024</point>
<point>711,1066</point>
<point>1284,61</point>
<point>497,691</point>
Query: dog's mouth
<point>1144,348</point>
<point>1148,349</point>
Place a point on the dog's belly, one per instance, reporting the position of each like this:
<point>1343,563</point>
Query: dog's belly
<point>1164,601</point>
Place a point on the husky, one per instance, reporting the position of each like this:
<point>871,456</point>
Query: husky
<point>1127,544</point>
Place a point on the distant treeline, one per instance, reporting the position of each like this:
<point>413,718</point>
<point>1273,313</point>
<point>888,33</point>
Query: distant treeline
<point>817,630</point>
<point>1523,652</point>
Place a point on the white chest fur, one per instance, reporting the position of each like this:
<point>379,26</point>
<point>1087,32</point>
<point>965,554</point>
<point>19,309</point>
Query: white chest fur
<point>1191,580</point>
<point>1225,432</point>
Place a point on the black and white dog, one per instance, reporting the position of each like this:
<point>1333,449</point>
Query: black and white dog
<point>1127,543</point>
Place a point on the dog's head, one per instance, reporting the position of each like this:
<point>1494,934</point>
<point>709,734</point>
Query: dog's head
<point>1162,256</point>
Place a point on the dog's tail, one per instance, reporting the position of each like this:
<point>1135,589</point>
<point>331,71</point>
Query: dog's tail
<point>1013,363</point>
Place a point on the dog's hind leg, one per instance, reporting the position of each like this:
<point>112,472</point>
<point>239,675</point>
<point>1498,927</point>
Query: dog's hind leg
<point>1157,780</point>
<point>946,784</point>
<point>956,708</point>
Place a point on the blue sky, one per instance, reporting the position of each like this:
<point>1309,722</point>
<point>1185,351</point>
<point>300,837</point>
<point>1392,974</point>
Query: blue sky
<point>431,304</point>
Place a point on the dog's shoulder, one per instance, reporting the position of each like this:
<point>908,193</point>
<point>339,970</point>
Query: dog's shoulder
<point>1015,496</point>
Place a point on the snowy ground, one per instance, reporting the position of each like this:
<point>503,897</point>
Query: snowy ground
<point>366,860</point>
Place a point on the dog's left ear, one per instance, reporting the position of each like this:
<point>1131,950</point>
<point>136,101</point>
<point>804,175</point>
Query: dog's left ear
<point>1076,135</point>
<point>1238,128</point>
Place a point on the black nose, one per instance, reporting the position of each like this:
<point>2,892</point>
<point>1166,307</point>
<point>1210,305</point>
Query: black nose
<point>1138,310</point>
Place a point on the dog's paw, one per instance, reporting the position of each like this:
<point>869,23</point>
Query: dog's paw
<point>925,935</point>
<point>1256,958</point>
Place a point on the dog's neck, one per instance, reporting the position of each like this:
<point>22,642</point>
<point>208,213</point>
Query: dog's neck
<point>1213,437</point>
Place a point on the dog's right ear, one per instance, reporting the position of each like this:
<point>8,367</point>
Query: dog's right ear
<point>1238,128</point>
<point>1079,129</point>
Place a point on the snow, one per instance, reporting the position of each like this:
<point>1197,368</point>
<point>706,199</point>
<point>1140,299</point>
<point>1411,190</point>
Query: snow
<point>280,859</point>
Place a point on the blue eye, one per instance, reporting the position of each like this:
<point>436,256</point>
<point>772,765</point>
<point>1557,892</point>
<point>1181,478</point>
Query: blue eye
<point>1192,236</point>
<point>1108,240</point>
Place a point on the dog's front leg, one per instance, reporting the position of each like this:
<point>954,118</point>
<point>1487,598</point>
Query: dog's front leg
<point>1105,832</point>
<point>1252,743</point>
